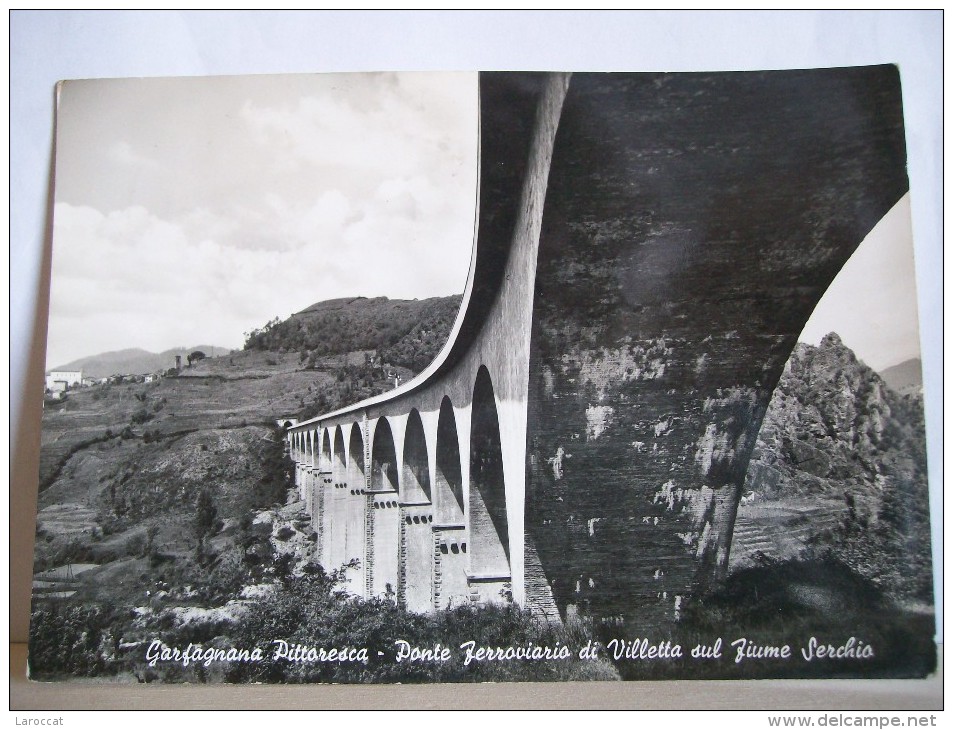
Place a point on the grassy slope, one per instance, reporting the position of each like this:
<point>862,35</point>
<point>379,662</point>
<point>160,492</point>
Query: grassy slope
<point>210,427</point>
<point>118,460</point>
<point>247,387</point>
<point>121,456</point>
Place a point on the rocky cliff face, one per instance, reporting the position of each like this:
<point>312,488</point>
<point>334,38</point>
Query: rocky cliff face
<point>844,457</point>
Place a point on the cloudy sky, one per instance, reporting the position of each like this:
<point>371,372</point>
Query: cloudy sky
<point>189,211</point>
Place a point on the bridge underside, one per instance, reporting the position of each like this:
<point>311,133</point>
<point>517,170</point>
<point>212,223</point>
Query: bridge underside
<point>581,443</point>
<point>692,223</point>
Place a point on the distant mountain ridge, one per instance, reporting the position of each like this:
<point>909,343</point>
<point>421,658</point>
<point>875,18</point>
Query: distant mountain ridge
<point>905,377</point>
<point>136,361</point>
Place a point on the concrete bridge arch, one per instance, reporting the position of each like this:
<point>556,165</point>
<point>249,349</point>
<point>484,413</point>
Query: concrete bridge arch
<point>648,248</point>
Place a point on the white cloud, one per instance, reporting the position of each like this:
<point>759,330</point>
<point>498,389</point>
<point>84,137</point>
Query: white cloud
<point>329,130</point>
<point>280,194</point>
<point>123,153</point>
<point>131,279</point>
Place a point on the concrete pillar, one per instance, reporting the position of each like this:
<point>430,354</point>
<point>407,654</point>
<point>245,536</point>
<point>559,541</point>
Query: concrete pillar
<point>452,562</point>
<point>325,501</point>
<point>385,543</point>
<point>338,505</point>
<point>309,490</point>
<point>512,439</point>
<point>355,501</point>
<point>417,556</point>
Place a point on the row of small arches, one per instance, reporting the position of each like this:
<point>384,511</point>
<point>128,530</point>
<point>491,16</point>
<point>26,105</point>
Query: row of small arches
<point>487,501</point>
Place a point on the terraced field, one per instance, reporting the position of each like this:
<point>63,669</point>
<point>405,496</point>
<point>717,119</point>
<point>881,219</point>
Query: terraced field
<point>229,391</point>
<point>778,530</point>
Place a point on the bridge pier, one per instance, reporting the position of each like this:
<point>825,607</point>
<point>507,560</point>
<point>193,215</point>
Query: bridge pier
<point>354,501</point>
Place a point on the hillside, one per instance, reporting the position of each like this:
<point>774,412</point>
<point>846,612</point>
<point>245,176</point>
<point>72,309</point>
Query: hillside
<point>329,355</point>
<point>223,392</point>
<point>136,361</point>
<point>120,455</point>
<point>166,510</point>
<point>905,377</point>
<point>125,465</point>
<point>408,333</point>
<point>840,469</point>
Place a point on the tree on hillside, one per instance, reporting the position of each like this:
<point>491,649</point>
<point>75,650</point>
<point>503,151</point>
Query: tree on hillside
<point>363,324</point>
<point>196,356</point>
<point>260,339</point>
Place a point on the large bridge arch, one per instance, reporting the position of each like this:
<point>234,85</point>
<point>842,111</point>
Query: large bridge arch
<point>325,462</point>
<point>385,470</point>
<point>448,487</point>
<point>321,490</point>
<point>338,458</point>
<point>417,534</point>
<point>486,508</point>
<point>415,477</point>
<point>602,185</point>
<point>450,533</point>
<point>384,580</point>
<point>336,509</point>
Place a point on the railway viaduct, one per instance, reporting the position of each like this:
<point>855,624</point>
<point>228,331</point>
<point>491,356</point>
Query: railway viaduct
<point>648,248</point>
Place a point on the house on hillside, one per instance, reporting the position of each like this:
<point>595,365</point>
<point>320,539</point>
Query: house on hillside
<point>59,381</point>
<point>68,379</point>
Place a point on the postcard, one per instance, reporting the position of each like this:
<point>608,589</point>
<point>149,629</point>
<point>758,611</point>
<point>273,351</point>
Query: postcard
<point>459,377</point>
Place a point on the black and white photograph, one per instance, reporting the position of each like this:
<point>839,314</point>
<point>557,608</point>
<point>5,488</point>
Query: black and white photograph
<point>499,376</point>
